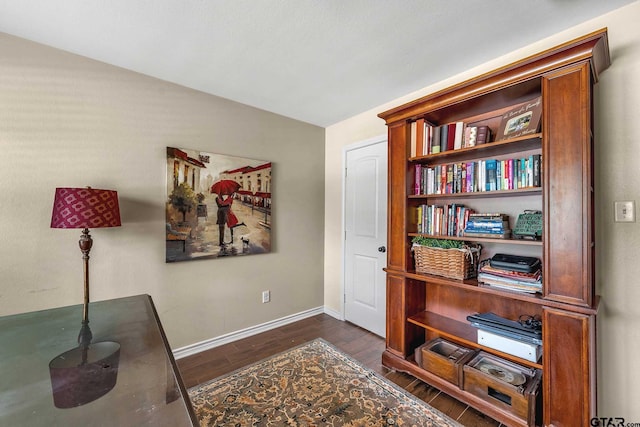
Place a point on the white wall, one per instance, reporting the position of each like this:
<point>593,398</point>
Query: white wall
<point>66,120</point>
<point>617,178</point>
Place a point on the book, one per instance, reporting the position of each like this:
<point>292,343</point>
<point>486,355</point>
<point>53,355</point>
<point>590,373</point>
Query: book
<point>509,286</point>
<point>451,136</point>
<point>523,119</point>
<point>483,135</point>
<point>449,182</point>
<point>492,177</point>
<point>511,174</point>
<point>435,140</point>
<point>412,138</point>
<point>470,136</point>
<point>444,137</point>
<point>491,235</point>
<point>471,177</point>
<point>497,229</point>
<point>466,177</point>
<point>488,220</point>
<point>490,215</point>
<point>458,135</point>
<point>486,226</point>
<point>532,277</point>
<point>537,159</point>
<point>420,125</point>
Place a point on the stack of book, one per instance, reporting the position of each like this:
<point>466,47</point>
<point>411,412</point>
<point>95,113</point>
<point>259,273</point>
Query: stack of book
<point>491,225</point>
<point>511,278</point>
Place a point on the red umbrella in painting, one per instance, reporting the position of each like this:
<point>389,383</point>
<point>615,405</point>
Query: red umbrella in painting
<point>225,187</point>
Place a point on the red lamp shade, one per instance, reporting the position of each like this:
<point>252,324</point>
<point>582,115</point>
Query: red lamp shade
<point>85,208</point>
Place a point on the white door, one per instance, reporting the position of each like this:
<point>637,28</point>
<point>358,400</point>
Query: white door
<point>366,236</point>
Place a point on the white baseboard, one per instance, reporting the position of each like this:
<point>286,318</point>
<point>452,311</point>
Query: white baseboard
<point>333,313</point>
<point>244,333</point>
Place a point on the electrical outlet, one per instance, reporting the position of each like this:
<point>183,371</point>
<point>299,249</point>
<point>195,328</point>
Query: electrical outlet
<point>266,296</point>
<point>625,211</point>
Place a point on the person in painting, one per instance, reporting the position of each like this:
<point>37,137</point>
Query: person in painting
<point>226,216</point>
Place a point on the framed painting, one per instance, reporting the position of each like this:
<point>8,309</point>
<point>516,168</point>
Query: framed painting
<point>216,206</point>
<point>523,119</point>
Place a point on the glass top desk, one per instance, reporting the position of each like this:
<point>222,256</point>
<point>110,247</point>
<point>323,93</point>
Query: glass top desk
<point>128,376</point>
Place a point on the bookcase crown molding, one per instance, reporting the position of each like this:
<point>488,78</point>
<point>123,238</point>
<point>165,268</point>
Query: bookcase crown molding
<point>593,47</point>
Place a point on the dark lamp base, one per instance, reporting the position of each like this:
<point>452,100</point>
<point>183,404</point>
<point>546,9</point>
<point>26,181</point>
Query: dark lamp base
<point>80,376</point>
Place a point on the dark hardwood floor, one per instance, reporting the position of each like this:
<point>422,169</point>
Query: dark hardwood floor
<point>353,340</point>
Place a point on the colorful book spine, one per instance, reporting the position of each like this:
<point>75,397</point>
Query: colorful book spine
<point>491,168</point>
<point>451,136</point>
<point>479,176</point>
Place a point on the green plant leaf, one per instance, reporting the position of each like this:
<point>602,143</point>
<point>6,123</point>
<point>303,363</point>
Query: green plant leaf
<point>438,243</point>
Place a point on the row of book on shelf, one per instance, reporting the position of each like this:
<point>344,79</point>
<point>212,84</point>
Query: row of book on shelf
<point>460,221</point>
<point>520,120</point>
<point>481,175</point>
<point>427,139</point>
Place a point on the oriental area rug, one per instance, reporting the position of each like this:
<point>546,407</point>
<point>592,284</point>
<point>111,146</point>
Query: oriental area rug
<point>314,384</point>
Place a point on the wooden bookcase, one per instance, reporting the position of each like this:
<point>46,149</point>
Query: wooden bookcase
<point>421,307</point>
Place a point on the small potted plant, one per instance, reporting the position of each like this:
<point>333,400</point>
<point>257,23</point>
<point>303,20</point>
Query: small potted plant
<point>455,259</point>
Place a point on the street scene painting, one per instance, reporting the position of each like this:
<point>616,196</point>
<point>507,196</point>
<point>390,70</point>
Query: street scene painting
<point>217,205</point>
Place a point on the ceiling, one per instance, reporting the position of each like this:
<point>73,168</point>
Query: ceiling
<point>318,61</point>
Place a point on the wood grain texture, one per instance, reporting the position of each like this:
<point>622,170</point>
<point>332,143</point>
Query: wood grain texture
<point>568,228</point>
<point>570,369</point>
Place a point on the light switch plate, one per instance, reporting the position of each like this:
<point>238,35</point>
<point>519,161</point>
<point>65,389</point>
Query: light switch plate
<point>625,211</point>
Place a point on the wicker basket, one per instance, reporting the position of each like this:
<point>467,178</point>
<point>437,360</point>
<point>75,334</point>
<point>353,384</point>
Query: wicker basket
<point>452,263</point>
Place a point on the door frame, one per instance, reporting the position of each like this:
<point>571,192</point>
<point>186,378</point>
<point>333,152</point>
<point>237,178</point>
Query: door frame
<point>343,229</point>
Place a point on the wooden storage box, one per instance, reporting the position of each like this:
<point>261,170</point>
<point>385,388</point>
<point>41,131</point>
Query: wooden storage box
<point>511,387</point>
<point>444,359</point>
<point>451,263</point>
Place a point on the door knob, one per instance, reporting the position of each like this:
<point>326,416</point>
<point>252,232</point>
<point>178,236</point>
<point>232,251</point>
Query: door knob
<point>382,249</point>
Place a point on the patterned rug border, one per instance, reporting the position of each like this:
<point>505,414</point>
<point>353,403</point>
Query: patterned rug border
<point>438,416</point>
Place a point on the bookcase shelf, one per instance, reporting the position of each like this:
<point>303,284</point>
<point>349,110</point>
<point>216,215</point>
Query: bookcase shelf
<point>421,306</point>
<point>483,194</point>
<point>472,286</point>
<point>460,332</point>
<point>506,146</point>
<point>482,239</point>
